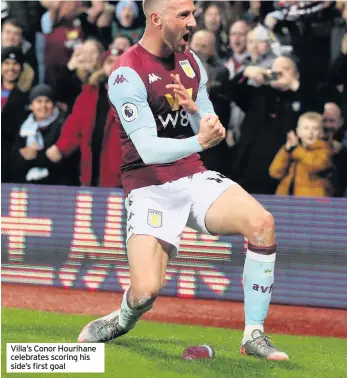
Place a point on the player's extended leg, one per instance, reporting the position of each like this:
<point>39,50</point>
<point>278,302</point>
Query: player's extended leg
<point>148,260</point>
<point>235,211</point>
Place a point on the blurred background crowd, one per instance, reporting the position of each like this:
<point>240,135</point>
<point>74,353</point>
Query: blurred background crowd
<point>277,78</point>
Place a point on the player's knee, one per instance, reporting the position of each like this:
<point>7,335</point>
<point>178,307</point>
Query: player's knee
<point>262,222</point>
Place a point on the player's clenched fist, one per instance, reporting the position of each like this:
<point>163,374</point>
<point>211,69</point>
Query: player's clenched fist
<point>211,131</point>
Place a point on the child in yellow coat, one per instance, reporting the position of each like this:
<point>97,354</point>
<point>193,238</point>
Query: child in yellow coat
<point>304,164</point>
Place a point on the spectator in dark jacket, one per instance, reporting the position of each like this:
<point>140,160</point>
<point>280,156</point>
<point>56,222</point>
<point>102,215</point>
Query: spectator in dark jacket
<point>38,132</point>
<point>309,25</point>
<point>204,45</point>
<point>334,131</point>
<point>257,10</point>
<point>337,72</point>
<point>93,132</point>
<point>16,81</point>
<point>271,112</point>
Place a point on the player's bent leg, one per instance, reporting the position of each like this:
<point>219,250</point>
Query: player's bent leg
<point>235,211</point>
<point>147,258</point>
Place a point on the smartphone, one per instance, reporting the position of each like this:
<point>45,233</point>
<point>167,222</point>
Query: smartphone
<point>270,76</point>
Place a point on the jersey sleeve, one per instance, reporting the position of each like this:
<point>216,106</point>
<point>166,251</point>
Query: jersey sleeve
<point>203,101</point>
<point>128,94</point>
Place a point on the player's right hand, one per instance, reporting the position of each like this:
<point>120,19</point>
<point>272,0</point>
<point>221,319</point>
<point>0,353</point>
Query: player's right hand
<point>211,132</point>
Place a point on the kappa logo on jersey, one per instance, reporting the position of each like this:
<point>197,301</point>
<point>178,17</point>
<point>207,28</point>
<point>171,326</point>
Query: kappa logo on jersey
<point>153,78</point>
<point>174,102</point>
<point>129,112</point>
<point>120,79</point>
<point>154,218</point>
<point>187,68</point>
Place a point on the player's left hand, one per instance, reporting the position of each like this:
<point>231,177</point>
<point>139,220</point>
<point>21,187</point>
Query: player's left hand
<point>182,94</point>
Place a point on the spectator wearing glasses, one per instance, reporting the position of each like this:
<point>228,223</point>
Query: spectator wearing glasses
<point>238,43</point>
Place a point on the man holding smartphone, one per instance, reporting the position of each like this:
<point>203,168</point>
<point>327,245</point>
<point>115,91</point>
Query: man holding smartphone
<point>272,110</point>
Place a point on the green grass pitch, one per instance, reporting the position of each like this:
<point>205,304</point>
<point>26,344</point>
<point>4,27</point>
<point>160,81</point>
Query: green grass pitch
<point>153,350</point>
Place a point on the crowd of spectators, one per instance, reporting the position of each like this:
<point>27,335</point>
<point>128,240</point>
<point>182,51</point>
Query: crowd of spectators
<point>277,78</point>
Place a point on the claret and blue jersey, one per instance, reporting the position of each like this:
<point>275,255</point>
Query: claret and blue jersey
<point>138,93</point>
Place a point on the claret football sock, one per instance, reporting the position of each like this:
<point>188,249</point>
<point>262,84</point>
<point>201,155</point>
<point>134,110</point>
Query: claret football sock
<point>128,316</point>
<point>258,279</point>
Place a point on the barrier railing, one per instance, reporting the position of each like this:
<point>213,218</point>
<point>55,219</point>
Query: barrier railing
<point>74,237</point>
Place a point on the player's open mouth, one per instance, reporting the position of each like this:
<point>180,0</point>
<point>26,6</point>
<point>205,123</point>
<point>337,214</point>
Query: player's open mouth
<point>186,37</point>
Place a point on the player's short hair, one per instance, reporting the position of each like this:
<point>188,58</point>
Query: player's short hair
<point>149,6</point>
<point>311,116</point>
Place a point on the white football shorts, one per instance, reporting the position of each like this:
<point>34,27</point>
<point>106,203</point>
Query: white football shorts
<point>163,211</point>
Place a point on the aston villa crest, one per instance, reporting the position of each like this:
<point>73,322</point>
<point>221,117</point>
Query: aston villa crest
<point>154,218</point>
<point>187,68</point>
